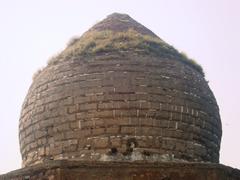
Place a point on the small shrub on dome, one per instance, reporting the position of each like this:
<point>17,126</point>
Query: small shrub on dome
<point>72,41</point>
<point>37,73</point>
<point>191,62</point>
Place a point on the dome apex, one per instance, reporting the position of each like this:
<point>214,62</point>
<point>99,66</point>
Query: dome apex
<point>118,15</point>
<point>120,33</point>
<point>120,23</point>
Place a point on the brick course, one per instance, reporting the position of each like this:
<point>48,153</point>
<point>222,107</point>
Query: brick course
<point>76,170</point>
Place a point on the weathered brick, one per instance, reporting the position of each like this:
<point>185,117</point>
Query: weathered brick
<point>115,142</point>
<point>98,131</point>
<point>101,142</point>
<point>128,130</point>
<point>112,130</point>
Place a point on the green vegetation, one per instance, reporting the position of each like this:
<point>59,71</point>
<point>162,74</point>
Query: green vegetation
<point>104,41</point>
<point>95,42</point>
<point>191,62</point>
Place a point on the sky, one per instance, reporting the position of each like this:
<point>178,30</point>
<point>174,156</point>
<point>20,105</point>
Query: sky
<point>31,32</point>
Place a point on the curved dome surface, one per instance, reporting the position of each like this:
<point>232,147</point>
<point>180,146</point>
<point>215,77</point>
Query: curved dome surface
<point>120,93</point>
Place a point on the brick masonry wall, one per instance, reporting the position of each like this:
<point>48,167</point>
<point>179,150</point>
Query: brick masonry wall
<point>78,170</point>
<point>120,108</point>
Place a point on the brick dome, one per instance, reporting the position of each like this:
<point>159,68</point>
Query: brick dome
<point>120,93</point>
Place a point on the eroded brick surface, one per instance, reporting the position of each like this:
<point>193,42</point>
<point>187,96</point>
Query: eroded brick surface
<point>82,108</point>
<point>67,170</point>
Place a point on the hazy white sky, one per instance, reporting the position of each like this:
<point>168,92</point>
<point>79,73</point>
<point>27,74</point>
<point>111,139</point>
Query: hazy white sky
<point>33,31</point>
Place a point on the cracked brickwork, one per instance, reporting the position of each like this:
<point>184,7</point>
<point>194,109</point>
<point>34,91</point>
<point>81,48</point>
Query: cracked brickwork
<point>123,107</point>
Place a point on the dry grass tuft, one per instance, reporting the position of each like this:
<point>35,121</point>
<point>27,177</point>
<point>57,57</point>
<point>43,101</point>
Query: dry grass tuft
<point>95,42</point>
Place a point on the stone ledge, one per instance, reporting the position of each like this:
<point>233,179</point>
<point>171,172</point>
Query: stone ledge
<point>72,170</point>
